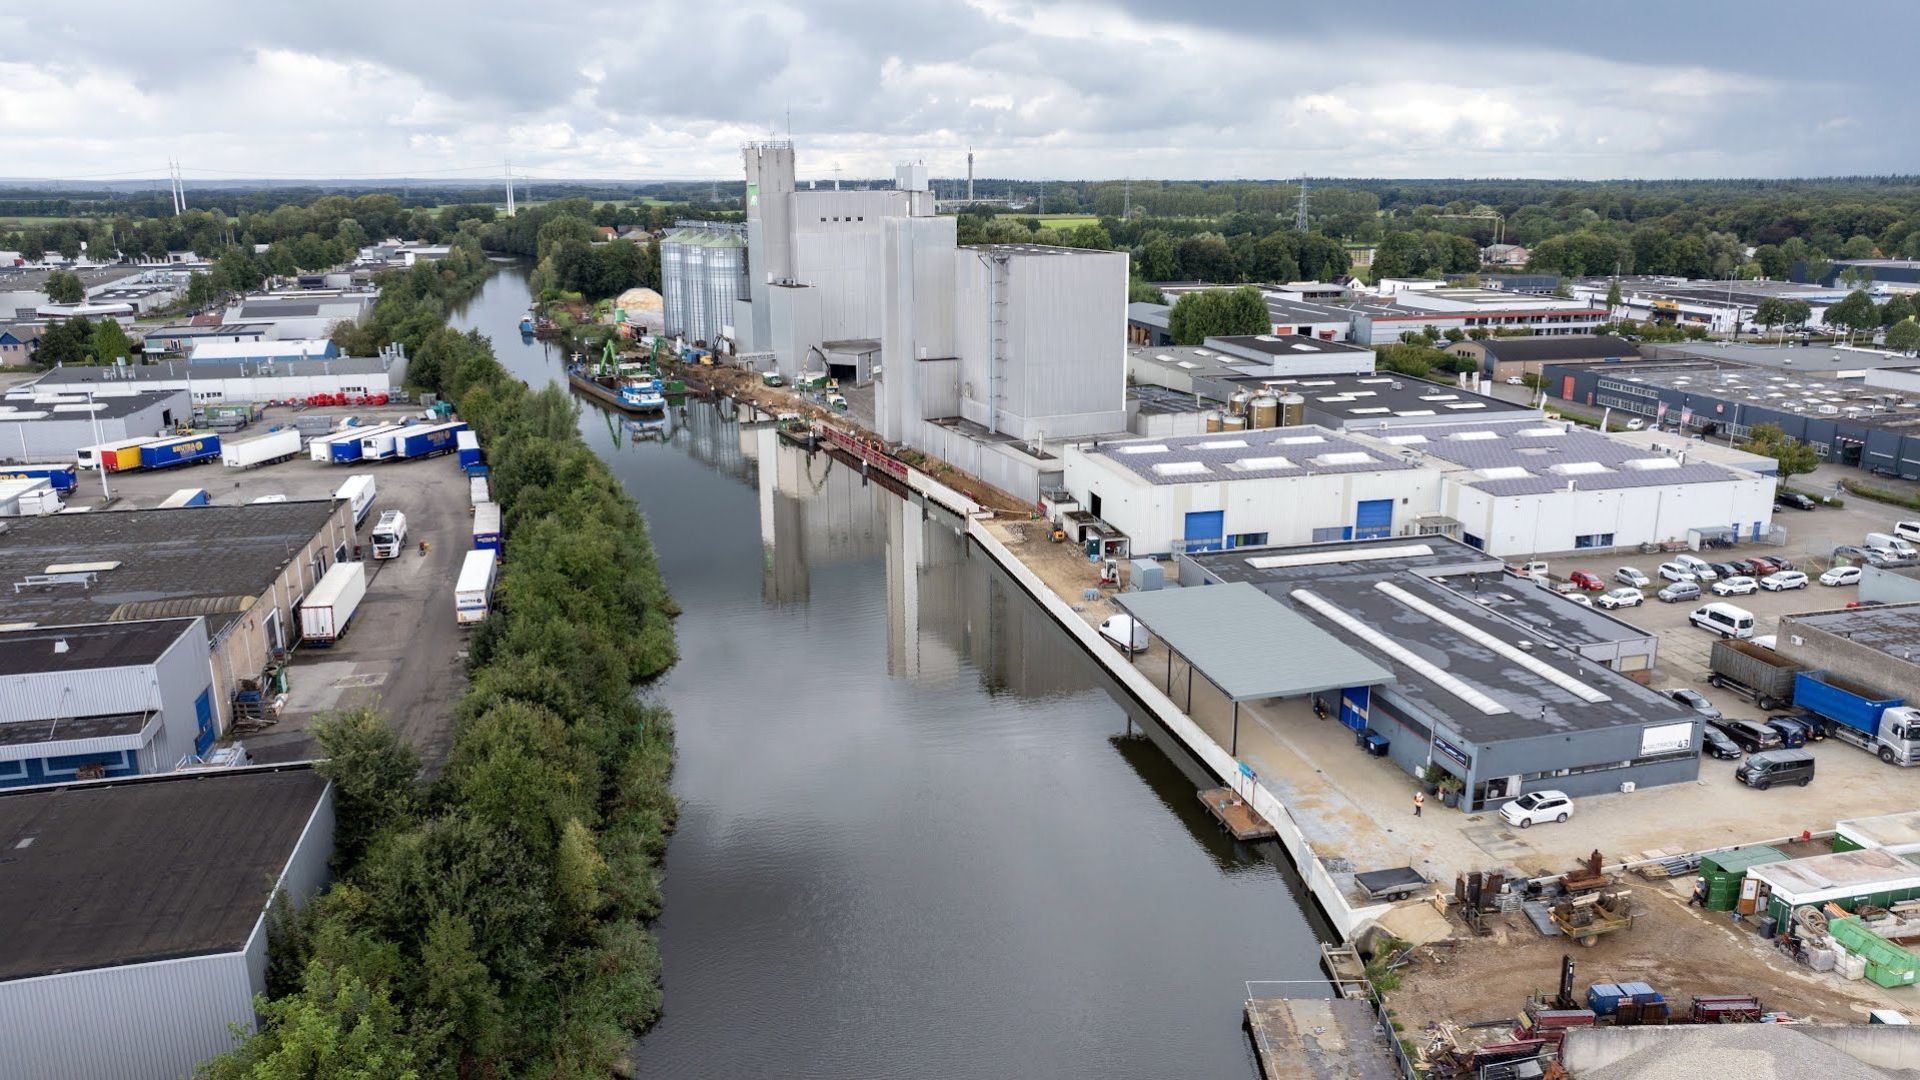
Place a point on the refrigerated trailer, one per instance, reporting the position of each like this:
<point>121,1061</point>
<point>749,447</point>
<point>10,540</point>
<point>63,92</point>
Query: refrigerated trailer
<point>477,492</point>
<point>429,440</point>
<point>61,477</point>
<point>327,610</point>
<point>116,456</point>
<point>181,450</point>
<point>359,491</point>
<point>486,526</point>
<point>469,444</point>
<point>186,497</point>
<point>473,592</point>
<point>280,445</point>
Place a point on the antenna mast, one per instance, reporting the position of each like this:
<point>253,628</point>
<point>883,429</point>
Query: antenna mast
<point>1300,215</point>
<point>510,206</point>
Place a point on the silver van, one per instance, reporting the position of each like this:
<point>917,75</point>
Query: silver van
<point>1723,619</point>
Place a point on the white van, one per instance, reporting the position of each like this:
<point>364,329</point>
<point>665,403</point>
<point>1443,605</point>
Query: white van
<point>1890,542</point>
<point>1723,619</point>
<point>1908,531</point>
<point>1701,569</point>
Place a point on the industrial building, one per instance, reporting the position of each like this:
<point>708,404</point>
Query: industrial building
<point>1718,307</point>
<point>243,568</point>
<point>1883,275</point>
<point>302,314</point>
<point>282,351</point>
<point>1506,358</point>
<point>104,700</point>
<point>33,429</point>
<point>1208,368</point>
<point>703,273</point>
<point>1382,320</point>
<point>1374,402</point>
<point>1878,646</point>
<point>1296,354</point>
<point>1844,421</point>
<point>137,914</point>
<point>1472,689</point>
<point>183,337</point>
<point>1823,361</point>
<point>212,382</point>
<point>1177,367</point>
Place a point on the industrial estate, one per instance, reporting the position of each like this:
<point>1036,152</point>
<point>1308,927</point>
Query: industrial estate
<point>1557,633</point>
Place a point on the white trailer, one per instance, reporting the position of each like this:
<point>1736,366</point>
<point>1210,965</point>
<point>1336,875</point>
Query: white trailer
<point>273,446</point>
<point>477,492</point>
<point>358,491</point>
<point>473,593</point>
<point>327,610</point>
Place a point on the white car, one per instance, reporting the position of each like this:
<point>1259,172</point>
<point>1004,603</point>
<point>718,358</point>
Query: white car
<point>1636,424</point>
<point>1785,579</point>
<point>1621,597</point>
<point>1735,586</point>
<point>1578,598</point>
<point>1673,571</point>
<point>1537,806</point>
<point>1841,575</point>
<point>1627,575</point>
<point>1701,569</point>
<point>1515,380</point>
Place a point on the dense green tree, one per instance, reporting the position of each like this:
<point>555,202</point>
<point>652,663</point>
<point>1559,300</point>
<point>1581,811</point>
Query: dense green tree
<point>1904,336</point>
<point>1772,263</point>
<point>68,341</point>
<point>236,271</point>
<point>1144,292</point>
<point>63,287</point>
<point>109,343</point>
<point>373,773</point>
<point>336,1026</point>
<point>1206,257</point>
<point>1855,313</point>
<point>201,290</point>
<point>1793,456</point>
<point>1896,310</point>
<point>1206,313</point>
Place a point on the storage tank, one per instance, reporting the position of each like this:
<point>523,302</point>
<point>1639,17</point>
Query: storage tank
<point>703,270</point>
<point>1293,410</point>
<point>1234,423</point>
<point>1263,411</point>
<point>1213,420</point>
<point>1237,404</point>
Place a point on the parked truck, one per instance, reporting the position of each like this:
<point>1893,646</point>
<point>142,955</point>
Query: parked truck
<point>477,491</point>
<point>473,593</point>
<point>61,477</point>
<point>107,454</point>
<point>327,610</point>
<point>359,491</point>
<point>429,440</point>
<point>186,497</point>
<point>1754,672</point>
<point>355,446</point>
<point>180,450</point>
<point>1860,715</point>
<point>486,526</point>
<point>389,534</point>
<point>274,446</point>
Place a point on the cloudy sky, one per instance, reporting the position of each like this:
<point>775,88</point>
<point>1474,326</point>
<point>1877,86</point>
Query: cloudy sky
<point>668,89</point>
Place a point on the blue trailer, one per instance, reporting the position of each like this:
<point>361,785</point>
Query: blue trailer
<point>352,447</point>
<point>187,497</point>
<point>428,440</point>
<point>1861,715</point>
<point>469,443</point>
<point>184,450</point>
<point>62,478</point>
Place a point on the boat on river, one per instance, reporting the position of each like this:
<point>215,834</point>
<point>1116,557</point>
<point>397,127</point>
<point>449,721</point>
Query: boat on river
<point>632,388</point>
<point>526,323</point>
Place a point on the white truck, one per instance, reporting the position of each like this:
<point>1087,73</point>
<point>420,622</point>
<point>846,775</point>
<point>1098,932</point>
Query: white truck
<point>359,492</point>
<point>389,534</point>
<point>327,610</point>
<point>473,592</point>
<point>273,446</point>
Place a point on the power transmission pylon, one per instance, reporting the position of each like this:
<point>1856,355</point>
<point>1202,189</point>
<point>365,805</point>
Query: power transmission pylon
<point>1300,215</point>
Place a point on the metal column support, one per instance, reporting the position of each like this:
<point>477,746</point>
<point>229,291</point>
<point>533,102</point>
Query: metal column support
<point>1234,748</point>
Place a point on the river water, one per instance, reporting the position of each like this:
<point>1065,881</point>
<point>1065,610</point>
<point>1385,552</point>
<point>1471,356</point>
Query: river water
<point>922,834</point>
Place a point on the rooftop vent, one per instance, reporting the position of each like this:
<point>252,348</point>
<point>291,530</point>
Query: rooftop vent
<point>59,646</point>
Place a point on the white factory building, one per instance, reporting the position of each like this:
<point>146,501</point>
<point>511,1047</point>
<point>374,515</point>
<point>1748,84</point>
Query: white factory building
<point>1514,486</point>
<point>216,382</point>
<point>40,427</point>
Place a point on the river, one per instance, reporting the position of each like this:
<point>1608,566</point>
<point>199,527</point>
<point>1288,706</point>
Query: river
<point>922,834</point>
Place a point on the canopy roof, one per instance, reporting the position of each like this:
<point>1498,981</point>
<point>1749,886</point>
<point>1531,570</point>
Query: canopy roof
<point>1250,645</point>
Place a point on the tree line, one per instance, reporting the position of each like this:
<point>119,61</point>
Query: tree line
<point>493,921</point>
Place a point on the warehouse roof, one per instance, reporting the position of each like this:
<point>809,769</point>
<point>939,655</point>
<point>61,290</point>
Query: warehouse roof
<point>1023,250</point>
<point>1893,629</point>
<point>1149,314</point>
<point>1243,455</point>
<point>1555,347</point>
<point>1840,874</point>
<point>1204,362</point>
<point>191,330</point>
<point>153,563</point>
<point>1285,345</point>
<point>174,370</point>
<point>1815,394</point>
<point>1356,399</point>
<point>19,405</point>
<point>1248,644</point>
<point>142,870</point>
<point>1803,359</point>
<point>87,646</point>
<point>1537,457</point>
<point>37,733</point>
<point>290,349</point>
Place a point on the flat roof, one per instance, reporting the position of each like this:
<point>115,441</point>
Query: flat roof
<point>1193,360</point>
<point>214,561</point>
<point>1554,347</point>
<point>1785,390</point>
<point>1286,345</point>
<point>1546,613</point>
<point>1803,359</point>
<point>154,868</point>
<point>1537,457</point>
<point>174,370</point>
<point>1151,314</point>
<point>1893,629</point>
<point>1891,831</point>
<point>19,733</point>
<point>1250,645</point>
<point>289,348</point>
<point>191,330</point>
<point>1244,455</point>
<point>1159,399</point>
<point>1839,874</point>
<point>20,407</point>
<point>1023,250</point>
<point>1385,395</point>
<point>88,645</point>
<point>1457,661</point>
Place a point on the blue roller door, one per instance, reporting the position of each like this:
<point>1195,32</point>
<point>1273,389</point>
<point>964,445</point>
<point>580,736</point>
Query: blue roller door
<point>1373,518</point>
<point>1206,530</point>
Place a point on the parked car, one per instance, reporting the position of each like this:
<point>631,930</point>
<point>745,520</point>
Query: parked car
<point>1762,771</point>
<point>1621,597</point>
<point>1701,569</point>
<point>1793,733</point>
<point>1742,566</point>
<point>1783,580</point>
<point>1724,619</point>
<point>1588,581</point>
<point>1537,806</point>
<point>1627,575</point>
<point>1578,598</point>
<point>1673,571</point>
<point>1752,735</point>
<point>1695,700</point>
<point>1814,726</point>
<point>1841,575</point>
<point>1735,586</point>
<point>1766,564</point>
<point>1515,380</point>
<point>1678,591</point>
<point>1908,531</point>
<point>1793,500</point>
<point>1725,569</point>
<point>1715,743</point>
<point>1636,424</point>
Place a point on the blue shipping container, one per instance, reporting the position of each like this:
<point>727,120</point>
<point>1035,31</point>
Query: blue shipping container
<point>182,451</point>
<point>1604,998</point>
<point>1641,993</point>
<point>62,478</point>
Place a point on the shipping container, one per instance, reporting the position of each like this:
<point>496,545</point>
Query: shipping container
<point>181,450</point>
<point>473,592</point>
<point>469,444</point>
<point>359,491</point>
<point>62,478</point>
<point>91,457</point>
<point>186,497</point>
<point>279,445</point>
<point>486,526</point>
<point>477,492</point>
<point>1754,671</point>
<point>327,610</point>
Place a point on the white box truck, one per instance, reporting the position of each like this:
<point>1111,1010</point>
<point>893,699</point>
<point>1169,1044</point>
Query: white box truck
<point>473,593</point>
<point>358,491</point>
<point>327,610</point>
<point>389,534</point>
<point>273,446</point>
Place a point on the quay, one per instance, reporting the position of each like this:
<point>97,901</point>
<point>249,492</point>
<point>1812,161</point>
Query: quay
<point>1319,1039</point>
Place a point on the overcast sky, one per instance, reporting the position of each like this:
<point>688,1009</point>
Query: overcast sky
<point>668,89</point>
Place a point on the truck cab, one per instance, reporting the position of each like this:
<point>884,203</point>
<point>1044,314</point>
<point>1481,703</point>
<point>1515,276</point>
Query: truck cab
<point>389,534</point>
<point>1857,714</point>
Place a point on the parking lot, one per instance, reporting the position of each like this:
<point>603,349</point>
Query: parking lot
<point>402,650</point>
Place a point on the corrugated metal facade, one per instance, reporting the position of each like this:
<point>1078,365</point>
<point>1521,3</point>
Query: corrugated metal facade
<point>59,440</point>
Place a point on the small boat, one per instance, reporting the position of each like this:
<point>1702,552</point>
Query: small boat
<point>526,323</point>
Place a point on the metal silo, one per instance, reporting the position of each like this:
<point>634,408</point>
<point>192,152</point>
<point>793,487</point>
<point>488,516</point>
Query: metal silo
<point>703,270</point>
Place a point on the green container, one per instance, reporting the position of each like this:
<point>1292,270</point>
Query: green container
<point>1842,843</point>
<point>1725,870</point>
<point>1887,963</point>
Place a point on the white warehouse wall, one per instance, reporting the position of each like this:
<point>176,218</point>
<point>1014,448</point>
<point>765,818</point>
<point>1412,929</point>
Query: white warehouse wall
<point>1528,524</point>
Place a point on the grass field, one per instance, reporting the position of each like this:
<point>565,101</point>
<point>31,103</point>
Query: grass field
<point>1053,221</point>
<point>17,222</point>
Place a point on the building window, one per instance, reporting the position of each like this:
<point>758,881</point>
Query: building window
<point>1258,539</point>
<point>1593,540</point>
<point>1473,541</point>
